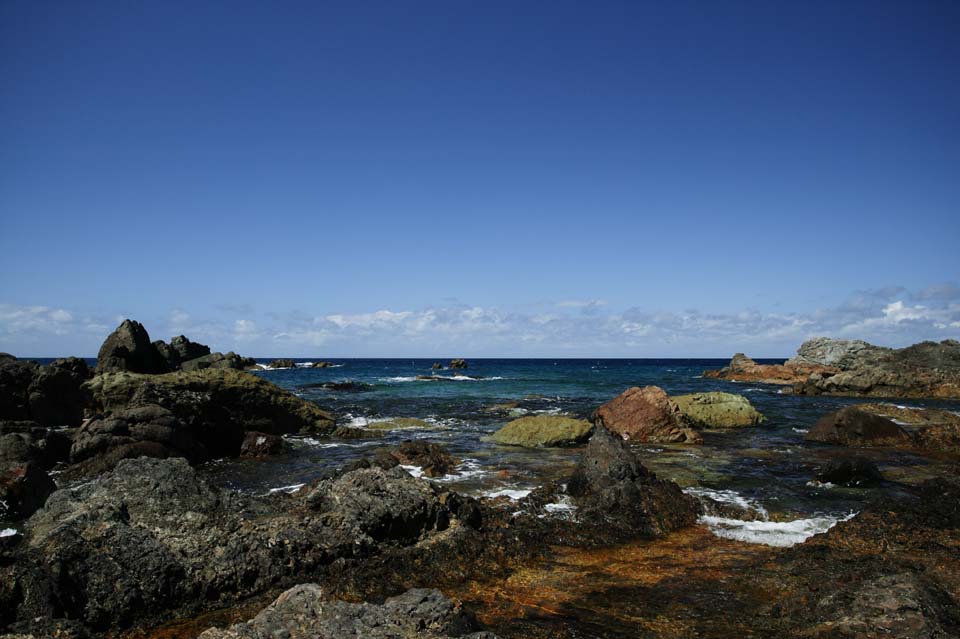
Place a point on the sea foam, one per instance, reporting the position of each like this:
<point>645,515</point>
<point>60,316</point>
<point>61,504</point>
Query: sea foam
<point>771,533</point>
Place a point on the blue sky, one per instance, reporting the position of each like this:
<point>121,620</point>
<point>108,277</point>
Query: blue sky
<point>479,179</point>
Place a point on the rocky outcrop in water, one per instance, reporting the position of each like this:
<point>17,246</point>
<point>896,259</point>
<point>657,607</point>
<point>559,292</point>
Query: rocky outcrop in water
<point>256,444</point>
<point>647,415</point>
<point>151,539</point>
<point>853,427</point>
<point>826,366</point>
<point>434,460</point>
<point>282,363</point>
<point>850,471</point>
<point>544,431</point>
<point>718,410</point>
<point>458,363</point>
<point>229,360</point>
<point>930,430</point>
<point>304,613</point>
<point>199,415</point>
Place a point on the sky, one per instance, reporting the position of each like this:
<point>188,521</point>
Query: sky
<point>499,179</point>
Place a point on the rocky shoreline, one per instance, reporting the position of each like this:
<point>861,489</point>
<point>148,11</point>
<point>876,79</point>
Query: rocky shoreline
<point>128,536</point>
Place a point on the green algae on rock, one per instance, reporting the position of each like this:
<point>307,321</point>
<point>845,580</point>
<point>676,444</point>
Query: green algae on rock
<point>544,430</point>
<point>718,410</point>
<point>401,423</point>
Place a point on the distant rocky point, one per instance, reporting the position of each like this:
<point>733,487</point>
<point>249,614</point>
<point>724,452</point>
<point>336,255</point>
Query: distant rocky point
<point>825,366</point>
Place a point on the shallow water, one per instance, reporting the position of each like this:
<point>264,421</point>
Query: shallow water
<point>768,467</point>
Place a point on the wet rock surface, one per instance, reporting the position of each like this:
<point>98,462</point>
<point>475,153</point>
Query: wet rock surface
<point>850,471</point>
<point>544,430</point>
<point>853,427</point>
<point>303,613</point>
<point>647,415</point>
<point>434,460</point>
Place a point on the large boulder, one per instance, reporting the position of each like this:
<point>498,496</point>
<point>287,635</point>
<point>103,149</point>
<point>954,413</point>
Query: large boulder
<point>27,441</point>
<point>180,350</point>
<point>544,431</point>
<point>199,414</point>
<point>932,429</point>
<point>15,379</point>
<point>611,486</point>
<point>303,612</point>
<point>128,348</point>
<point>851,426</point>
<point>718,410</point>
<point>850,471</point>
<point>51,395</point>
<point>645,414</point>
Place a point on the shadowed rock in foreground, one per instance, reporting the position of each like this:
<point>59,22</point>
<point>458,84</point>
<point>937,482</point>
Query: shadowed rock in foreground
<point>303,613</point>
<point>825,366</point>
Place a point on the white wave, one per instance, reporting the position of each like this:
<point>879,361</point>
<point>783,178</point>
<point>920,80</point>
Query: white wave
<point>813,483</point>
<point>752,390</point>
<point>513,494</point>
<point>771,533</point>
<point>8,532</point>
<point>467,469</point>
<point>292,488</point>
<point>319,443</point>
<point>455,378</point>
<point>562,507</point>
<point>728,497</point>
<point>800,430</point>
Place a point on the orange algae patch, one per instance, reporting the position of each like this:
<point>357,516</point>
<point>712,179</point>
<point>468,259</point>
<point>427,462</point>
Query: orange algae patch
<point>688,584</point>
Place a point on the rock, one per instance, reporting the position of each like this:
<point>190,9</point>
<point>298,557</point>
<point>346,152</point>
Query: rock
<point>230,361</point>
<point>205,414</point>
<point>850,471</point>
<point>718,410</point>
<point>504,407</point>
<point>400,423</point>
<point>15,379</point>
<point>612,489</point>
<point>744,369</point>
<point>458,363</point>
<point>150,540</point>
<point>932,429</point>
<point>544,430</point>
<point>349,385</point>
<point>852,427</point>
<point>354,432</point>
<point>24,488</point>
<point>304,613</point>
<point>321,365</point>
<point>56,394</point>
<point>437,366</point>
<point>826,366</point>
<point>26,441</point>
<point>433,459</point>
<point>261,445</point>
<point>180,350</point>
<point>282,363</point>
<point>128,348</point>
<point>647,415</point>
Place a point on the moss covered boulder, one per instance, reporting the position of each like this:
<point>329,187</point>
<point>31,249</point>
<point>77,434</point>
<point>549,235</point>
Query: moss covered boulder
<point>544,430</point>
<point>718,410</point>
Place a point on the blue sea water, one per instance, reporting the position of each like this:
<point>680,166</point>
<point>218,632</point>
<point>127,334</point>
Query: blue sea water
<point>768,467</point>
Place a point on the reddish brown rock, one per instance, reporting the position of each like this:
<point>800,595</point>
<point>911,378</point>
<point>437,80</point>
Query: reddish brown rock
<point>647,415</point>
<point>853,427</point>
<point>256,444</point>
<point>744,369</point>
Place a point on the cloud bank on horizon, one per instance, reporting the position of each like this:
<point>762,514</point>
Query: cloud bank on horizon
<point>892,316</point>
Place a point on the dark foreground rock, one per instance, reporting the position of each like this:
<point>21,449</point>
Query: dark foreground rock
<point>199,415</point>
<point>826,366</point>
<point>256,444</point>
<point>304,613</point>
<point>851,471</point>
<point>927,430</point>
<point>853,427</point>
<point>434,460</point>
<point>647,415</point>
<point>24,488</point>
<point>50,395</point>
<point>151,540</point>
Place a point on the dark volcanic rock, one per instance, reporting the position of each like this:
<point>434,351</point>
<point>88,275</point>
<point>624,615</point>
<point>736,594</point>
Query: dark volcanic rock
<point>24,487</point>
<point>458,363</point>
<point>180,350</point>
<point>437,366</point>
<point>611,488</point>
<point>647,415</point>
<point>15,379</point>
<point>26,441</point>
<point>56,394</point>
<point>304,613</point>
<point>434,459</point>
<point>853,427</point>
<point>852,471</point>
<point>348,385</point>
<point>128,348</point>
<point>229,360</point>
<point>150,539</point>
<point>197,414</point>
<point>282,363</point>
<point>261,444</point>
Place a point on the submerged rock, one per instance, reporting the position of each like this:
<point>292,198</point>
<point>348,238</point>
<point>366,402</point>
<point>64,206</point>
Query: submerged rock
<point>256,444</point>
<point>853,427</point>
<point>304,613</point>
<point>851,471</point>
<point>718,410</point>
<point>544,431</point>
<point>645,414</point>
<point>348,385</point>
